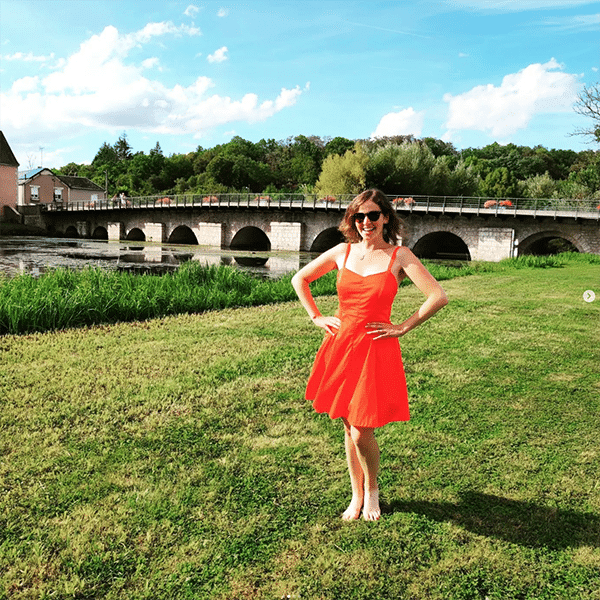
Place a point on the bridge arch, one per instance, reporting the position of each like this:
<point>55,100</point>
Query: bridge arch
<point>548,242</point>
<point>183,235</point>
<point>250,238</point>
<point>136,235</point>
<point>327,239</point>
<point>100,233</point>
<point>71,232</point>
<point>442,245</point>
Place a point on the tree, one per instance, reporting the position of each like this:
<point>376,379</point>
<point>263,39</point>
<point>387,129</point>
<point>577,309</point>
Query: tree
<point>588,105</point>
<point>440,148</point>
<point>448,178</point>
<point>338,145</point>
<point>500,183</point>
<point>403,168</point>
<point>72,169</point>
<point>123,148</point>
<point>106,155</point>
<point>343,174</point>
<point>539,186</point>
<point>238,172</point>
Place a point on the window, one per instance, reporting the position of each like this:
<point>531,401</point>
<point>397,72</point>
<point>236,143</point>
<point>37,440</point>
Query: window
<point>35,192</point>
<point>58,197</point>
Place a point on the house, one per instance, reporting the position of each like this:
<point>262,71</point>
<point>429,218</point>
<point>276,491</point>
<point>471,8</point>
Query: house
<point>42,186</point>
<point>8,176</point>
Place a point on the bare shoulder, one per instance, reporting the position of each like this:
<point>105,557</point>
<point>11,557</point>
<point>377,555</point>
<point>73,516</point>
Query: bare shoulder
<point>327,261</point>
<point>339,248</point>
<point>337,253</point>
<point>405,256</point>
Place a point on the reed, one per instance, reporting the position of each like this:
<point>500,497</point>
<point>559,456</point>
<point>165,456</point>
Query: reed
<point>63,298</point>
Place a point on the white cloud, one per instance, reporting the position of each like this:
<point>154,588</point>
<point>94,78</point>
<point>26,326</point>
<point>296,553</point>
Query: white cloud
<point>97,87</point>
<point>404,122</point>
<point>155,30</point>
<point>26,84</point>
<point>150,63</point>
<point>217,110</point>
<point>29,57</point>
<point>574,23</point>
<point>218,56</point>
<point>223,12</point>
<point>502,111</point>
<point>191,11</point>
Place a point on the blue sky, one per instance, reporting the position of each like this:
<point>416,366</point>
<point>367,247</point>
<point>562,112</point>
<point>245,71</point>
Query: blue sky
<point>77,73</point>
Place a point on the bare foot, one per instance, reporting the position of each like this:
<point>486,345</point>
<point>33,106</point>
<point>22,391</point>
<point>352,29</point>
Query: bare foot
<point>353,511</point>
<point>371,511</point>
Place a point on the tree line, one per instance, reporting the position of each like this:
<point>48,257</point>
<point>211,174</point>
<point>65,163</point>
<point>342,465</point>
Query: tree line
<point>400,165</point>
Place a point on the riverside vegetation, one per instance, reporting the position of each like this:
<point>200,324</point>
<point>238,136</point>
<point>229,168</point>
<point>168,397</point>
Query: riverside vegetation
<point>176,457</point>
<point>62,298</point>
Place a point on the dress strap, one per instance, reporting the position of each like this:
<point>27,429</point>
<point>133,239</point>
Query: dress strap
<point>393,258</point>
<point>346,257</point>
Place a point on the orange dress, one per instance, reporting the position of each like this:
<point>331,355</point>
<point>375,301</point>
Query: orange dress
<point>354,376</point>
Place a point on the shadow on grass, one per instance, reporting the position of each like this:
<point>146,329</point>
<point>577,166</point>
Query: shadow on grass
<point>522,523</point>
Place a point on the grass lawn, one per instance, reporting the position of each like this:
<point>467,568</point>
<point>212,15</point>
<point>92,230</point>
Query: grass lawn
<point>177,459</point>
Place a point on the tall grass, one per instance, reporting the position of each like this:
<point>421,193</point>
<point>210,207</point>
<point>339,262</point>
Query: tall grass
<point>553,260</point>
<point>63,298</point>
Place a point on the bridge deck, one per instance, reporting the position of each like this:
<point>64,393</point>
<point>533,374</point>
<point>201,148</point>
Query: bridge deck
<point>517,207</point>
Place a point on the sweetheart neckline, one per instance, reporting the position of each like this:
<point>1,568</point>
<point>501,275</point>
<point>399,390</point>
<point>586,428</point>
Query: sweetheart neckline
<point>369,275</point>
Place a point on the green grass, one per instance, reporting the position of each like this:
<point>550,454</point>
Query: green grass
<point>62,298</point>
<point>177,459</point>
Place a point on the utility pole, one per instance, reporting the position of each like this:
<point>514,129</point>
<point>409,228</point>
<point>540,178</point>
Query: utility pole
<point>42,156</point>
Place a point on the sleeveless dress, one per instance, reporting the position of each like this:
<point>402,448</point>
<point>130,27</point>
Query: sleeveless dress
<point>354,376</point>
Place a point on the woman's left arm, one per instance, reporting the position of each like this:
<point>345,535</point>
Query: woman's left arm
<point>435,297</point>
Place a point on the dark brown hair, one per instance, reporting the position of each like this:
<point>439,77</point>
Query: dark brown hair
<point>394,229</point>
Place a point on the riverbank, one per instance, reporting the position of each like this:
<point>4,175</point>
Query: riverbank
<point>62,298</point>
<point>176,458</point>
<point>18,229</point>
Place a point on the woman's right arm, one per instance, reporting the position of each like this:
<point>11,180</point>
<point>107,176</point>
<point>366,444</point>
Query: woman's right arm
<point>328,261</point>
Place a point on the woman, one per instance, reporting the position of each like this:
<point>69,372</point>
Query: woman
<point>358,374</point>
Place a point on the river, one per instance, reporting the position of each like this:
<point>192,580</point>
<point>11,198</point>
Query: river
<point>34,255</point>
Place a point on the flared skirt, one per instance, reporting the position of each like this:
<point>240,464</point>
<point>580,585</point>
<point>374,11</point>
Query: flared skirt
<point>359,378</point>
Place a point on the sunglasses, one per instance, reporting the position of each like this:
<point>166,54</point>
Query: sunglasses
<point>372,214</point>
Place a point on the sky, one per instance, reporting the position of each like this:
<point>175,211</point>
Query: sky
<point>77,73</point>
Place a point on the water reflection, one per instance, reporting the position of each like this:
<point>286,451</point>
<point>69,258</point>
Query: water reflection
<point>36,255</point>
<point>250,261</point>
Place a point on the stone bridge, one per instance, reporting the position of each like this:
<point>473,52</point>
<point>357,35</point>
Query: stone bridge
<point>461,228</point>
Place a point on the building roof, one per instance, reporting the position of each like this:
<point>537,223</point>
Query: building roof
<point>6,154</point>
<point>74,183</point>
<point>80,183</point>
<point>31,173</point>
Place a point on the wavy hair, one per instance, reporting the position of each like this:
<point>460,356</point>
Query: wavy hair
<point>394,228</point>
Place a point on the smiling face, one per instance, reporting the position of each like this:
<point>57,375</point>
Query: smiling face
<point>369,230</point>
<point>365,201</point>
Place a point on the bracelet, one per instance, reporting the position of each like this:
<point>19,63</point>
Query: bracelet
<point>313,318</point>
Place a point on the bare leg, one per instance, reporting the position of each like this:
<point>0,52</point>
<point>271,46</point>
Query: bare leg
<point>367,452</point>
<point>357,478</point>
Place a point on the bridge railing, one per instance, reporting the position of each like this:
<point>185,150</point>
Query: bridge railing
<point>301,201</point>
<point>589,208</point>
